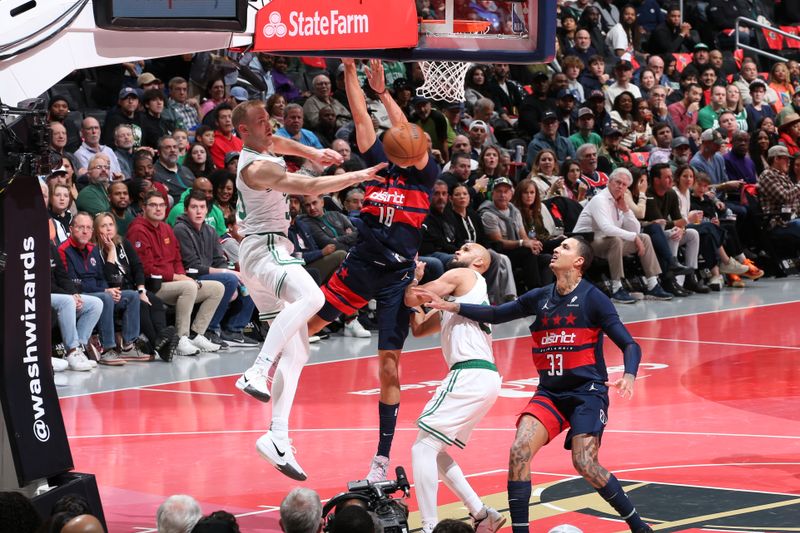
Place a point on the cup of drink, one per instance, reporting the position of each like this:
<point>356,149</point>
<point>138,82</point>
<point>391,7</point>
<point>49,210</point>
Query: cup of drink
<point>192,273</point>
<point>154,283</point>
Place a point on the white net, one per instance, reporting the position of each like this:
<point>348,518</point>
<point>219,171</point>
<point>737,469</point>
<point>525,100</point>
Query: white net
<point>444,80</point>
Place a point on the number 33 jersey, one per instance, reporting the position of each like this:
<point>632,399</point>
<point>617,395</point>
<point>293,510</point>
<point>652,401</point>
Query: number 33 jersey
<point>390,220</point>
<point>568,335</point>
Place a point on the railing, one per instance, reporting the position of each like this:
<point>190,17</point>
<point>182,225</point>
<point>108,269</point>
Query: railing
<point>755,23</point>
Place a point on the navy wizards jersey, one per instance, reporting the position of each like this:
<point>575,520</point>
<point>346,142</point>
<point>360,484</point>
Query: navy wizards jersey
<point>567,334</point>
<point>393,212</point>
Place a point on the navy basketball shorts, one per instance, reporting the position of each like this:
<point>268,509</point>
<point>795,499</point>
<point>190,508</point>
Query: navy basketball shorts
<point>357,282</point>
<point>582,411</point>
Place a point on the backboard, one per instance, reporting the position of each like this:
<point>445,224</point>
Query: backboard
<point>503,31</point>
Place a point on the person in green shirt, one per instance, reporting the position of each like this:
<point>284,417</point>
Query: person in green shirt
<point>93,198</point>
<point>215,218</point>
<point>708,117</point>
<point>585,133</point>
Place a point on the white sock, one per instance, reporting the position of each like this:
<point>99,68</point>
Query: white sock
<point>280,428</point>
<point>426,482</point>
<point>652,281</point>
<point>741,258</point>
<point>453,477</point>
<point>287,375</point>
<point>680,279</point>
<point>615,285</point>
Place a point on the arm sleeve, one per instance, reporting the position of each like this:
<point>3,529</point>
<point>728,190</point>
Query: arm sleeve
<point>219,260</point>
<point>521,307</point>
<point>604,314</point>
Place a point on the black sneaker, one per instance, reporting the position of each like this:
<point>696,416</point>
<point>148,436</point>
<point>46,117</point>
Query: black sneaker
<point>166,343</point>
<point>238,338</point>
<point>215,337</point>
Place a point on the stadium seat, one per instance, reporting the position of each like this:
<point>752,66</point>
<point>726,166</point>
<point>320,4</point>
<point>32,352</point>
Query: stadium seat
<point>71,90</point>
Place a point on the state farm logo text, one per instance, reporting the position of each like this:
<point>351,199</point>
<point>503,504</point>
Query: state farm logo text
<point>318,24</point>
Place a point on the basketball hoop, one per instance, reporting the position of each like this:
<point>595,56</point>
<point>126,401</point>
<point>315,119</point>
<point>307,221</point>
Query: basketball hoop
<point>444,80</point>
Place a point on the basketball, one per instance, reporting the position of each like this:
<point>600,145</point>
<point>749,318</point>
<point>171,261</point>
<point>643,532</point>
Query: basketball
<point>404,144</point>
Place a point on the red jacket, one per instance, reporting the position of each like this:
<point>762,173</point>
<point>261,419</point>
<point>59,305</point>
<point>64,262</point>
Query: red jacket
<point>222,146</point>
<point>157,248</point>
<point>786,140</point>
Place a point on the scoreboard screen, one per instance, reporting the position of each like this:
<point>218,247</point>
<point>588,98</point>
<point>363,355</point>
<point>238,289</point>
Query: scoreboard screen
<point>171,15</point>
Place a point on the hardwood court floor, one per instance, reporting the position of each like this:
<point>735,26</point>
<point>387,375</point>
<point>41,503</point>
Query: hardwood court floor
<point>708,443</point>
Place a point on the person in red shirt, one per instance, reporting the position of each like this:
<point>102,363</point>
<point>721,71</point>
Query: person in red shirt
<point>158,250</point>
<point>224,138</point>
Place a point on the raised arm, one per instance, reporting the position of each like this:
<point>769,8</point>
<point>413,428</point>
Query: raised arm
<point>377,80</point>
<point>324,157</point>
<point>365,130</point>
<point>268,175</point>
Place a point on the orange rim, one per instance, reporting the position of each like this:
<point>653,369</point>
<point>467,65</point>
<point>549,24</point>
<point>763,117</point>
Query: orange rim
<point>464,26</point>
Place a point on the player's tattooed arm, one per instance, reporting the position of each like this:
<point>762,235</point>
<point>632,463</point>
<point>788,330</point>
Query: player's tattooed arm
<point>584,458</point>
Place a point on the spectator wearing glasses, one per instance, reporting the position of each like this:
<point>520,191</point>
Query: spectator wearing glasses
<point>322,96</point>
<point>157,246</point>
<point>90,133</point>
<point>94,197</point>
<point>84,266</point>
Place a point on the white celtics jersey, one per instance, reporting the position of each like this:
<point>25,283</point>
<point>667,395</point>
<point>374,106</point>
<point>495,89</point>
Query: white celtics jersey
<point>464,339</point>
<point>264,211</point>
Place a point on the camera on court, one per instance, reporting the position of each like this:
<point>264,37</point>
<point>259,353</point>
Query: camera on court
<point>391,512</point>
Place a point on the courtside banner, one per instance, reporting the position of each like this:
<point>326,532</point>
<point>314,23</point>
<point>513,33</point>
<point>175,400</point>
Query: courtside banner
<point>30,404</point>
<point>289,25</point>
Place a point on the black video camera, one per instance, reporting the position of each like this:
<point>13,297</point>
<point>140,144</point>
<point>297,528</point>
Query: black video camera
<point>375,497</point>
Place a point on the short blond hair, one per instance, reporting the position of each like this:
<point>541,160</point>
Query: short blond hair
<point>241,110</point>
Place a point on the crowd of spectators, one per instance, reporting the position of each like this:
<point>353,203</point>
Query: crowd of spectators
<point>647,134</point>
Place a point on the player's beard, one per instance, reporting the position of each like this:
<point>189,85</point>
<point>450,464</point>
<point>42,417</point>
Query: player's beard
<point>458,264</point>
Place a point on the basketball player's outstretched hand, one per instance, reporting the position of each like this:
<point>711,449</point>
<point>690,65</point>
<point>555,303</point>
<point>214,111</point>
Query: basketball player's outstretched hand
<point>375,75</point>
<point>370,174</point>
<point>434,301</point>
<point>624,385</point>
<point>327,157</point>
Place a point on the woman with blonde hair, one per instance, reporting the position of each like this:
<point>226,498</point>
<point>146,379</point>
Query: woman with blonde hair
<point>779,82</point>
<point>123,269</point>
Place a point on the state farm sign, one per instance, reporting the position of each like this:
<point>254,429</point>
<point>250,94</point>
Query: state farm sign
<point>351,25</point>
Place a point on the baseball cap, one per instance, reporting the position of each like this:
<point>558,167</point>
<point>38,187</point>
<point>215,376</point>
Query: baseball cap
<point>400,83</point>
<point>478,124</point>
<point>501,181</point>
<point>712,135</point>
<point>623,65</point>
<point>701,46</point>
<point>584,112</point>
<point>680,141</point>
<point>455,105</point>
<point>127,92</point>
<point>145,78</point>
<point>564,93</point>
<point>239,94</point>
<point>540,75</point>
<point>610,131</point>
<point>778,150</point>
<point>549,115</point>
<point>597,94</point>
<point>419,100</point>
<point>230,156</point>
<point>60,170</point>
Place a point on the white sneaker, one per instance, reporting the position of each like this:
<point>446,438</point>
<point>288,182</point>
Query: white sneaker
<point>186,347</point>
<point>314,338</point>
<point>355,329</point>
<point>377,469</point>
<point>59,364</point>
<point>488,520</point>
<point>733,267</point>
<point>256,382</point>
<point>280,454</point>
<point>203,344</point>
<point>77,360</point>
